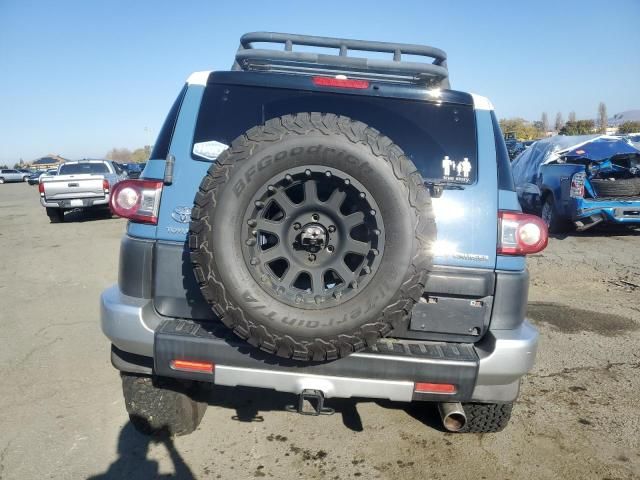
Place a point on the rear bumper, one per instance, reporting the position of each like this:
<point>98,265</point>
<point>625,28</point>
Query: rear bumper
<point>488,371</point>
<point>67,202</point>
<point>611,211</point>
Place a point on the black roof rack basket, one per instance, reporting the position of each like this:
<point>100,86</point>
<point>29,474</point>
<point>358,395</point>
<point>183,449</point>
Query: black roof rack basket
<point>433,73</point>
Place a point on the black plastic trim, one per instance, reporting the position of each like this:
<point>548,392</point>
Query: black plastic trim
<point>510,300</point>
<point>136,267</point>
<point>389,360</point>
<point>130,362</point>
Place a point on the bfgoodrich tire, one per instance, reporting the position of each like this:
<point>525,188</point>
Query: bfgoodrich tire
<point>486,417</point>
<point>56,215</point>
<point>311,236</point>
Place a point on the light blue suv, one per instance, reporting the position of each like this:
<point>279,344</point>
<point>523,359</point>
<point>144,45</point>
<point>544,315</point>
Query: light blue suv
<point>325,225</point>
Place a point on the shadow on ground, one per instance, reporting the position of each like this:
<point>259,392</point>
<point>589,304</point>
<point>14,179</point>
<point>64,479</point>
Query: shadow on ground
<point>86,215</point>
<point>248,404</point>
<point>132,462</point>
<point>601,231</point>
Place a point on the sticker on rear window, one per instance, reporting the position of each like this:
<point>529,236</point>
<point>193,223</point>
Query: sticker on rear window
<point>209,150</point>
<point>453,171</point>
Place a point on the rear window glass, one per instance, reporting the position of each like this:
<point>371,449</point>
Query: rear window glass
<point>79,168</point>
<point>439,139</point>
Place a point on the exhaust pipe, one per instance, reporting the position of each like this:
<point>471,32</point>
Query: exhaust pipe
<point>453,417</point>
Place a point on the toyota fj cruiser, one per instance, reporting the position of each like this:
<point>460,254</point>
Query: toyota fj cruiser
<point>327,225</point>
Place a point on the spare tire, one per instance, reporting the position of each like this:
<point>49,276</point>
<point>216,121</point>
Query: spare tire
<point>311,236</point>
<point>621,187</point>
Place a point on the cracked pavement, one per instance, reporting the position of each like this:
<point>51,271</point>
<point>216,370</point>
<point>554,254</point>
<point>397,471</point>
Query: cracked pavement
<point>62,414</point>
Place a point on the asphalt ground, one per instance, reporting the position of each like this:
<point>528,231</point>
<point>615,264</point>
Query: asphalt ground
<point>62,413</point>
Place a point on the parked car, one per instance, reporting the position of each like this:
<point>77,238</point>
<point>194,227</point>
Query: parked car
<point>34,178</point>
<point>311,263</point>
<point>79,184</point>
<point>12,175</point>
<point>134,169</point>
<point>580,181</point>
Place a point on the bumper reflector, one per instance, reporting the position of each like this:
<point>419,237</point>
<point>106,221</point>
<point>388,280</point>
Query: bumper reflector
<point>421,387</point>
<point>192,366</point>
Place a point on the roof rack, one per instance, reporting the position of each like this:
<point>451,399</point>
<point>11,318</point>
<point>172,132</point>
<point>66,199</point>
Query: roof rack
<point>433,73</point>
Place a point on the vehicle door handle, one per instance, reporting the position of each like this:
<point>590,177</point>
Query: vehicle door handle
<point>73,184</point>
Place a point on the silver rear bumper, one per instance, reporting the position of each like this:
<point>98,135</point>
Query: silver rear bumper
<point>504,356</point>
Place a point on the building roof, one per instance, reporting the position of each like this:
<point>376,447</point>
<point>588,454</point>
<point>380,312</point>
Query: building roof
<point>48,160</point>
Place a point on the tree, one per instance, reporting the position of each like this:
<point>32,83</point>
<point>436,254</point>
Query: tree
<point>141,154</point>
<point>579,127</point>
<point>572,116</point>
<point>119,154</point>
<point>522,129</point>
<point>603,120</point>
<point>629,127</point>
<point>559,122</point>
<point>544,120</point>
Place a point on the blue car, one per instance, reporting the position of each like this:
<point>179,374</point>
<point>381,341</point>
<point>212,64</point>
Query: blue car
<point>327,226</point>
<point>577,182</point>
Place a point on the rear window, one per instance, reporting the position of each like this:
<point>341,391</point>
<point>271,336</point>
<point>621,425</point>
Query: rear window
<point>439,138</point>
<point>79,168</point>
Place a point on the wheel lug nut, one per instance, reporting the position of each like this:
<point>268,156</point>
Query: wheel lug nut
<point>297,226</point>
<point>254,233</point>
<point>298,299</point>
<point>307,172</point>
<point>363,195</point>
<point>259,204</point>
<point>332,228</point>
<point>280,290</point>
<point>353,284</point>
<point>318,299</point>
<point>315,217</point>
<point>312,258</point>
<point>330,248</point>
<point>376,232</point>
<point>375,252</point>
<point>372,213</point>
<point>337,295</point>
<point>366,269</point>
<point>271,188</point>
<point>347,181</point>
<point>288,178</point>
<point>254,261</point>
<point>252,223</point>
<point>327,173</point>
<point>251,242</point>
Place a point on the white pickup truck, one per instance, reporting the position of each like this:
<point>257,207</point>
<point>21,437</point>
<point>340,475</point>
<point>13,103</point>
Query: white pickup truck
<point>79,184</point>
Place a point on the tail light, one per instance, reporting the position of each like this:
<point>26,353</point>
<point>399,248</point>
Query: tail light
<point>340,82</point>
<point>137,200</point>
<point>41,188</point>
<point>521,234</point>
<point>105,185</point>
<point>577,185</point>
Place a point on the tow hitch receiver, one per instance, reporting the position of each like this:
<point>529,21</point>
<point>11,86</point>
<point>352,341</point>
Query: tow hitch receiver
<point>311,402</point>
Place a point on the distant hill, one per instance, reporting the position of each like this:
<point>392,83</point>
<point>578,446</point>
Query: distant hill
<point>628,116</point>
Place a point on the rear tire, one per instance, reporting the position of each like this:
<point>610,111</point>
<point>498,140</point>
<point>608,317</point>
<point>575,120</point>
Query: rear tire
<point>486,417</point>
<point>160,406</point>
<point>56,215</point>
<point>1,180</point>
<point>623,187</point>
<point>549,215</point>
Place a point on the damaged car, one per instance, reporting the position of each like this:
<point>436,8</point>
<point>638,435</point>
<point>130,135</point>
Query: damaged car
<point>577,182</point>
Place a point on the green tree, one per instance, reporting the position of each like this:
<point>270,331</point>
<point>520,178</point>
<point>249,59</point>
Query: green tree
<point>521,128</point>
<point>119,155</point>
<point>579,127</point>
<point>141,154</point>
<point>603,120</point>
<point>629,127</point>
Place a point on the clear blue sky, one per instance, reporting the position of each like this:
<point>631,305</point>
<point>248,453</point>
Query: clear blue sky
<point>78,77</point>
